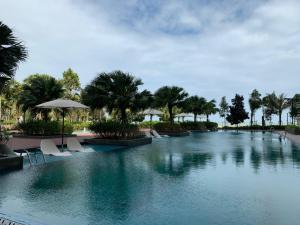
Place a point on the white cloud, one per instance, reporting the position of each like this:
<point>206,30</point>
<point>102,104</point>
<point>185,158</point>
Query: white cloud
<point>210,49</point>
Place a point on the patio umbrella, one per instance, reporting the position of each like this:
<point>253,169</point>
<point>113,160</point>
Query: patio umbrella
<point>62,104</point>
<point>152,112</point>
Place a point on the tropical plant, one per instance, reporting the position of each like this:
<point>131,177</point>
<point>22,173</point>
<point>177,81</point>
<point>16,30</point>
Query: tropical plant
<point>42,127</point>
<point>268,107</point>
<point>210,108</point>
<point>294,107</point>
<point>280,104</point>
<point>116,91</point>
<point>223,109</point>
<point>255,102</point>
<point>37,89</point>
<point>237,113</point>
<point>115,130</point>
<point>195,105</point>
<point>12,52</point>
<point>71,84</point>
<point>170,96</point>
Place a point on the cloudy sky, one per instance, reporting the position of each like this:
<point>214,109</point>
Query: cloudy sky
<point>210,47</point>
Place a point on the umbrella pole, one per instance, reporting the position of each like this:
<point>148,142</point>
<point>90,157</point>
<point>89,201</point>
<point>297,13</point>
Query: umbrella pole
<point>63,130</point>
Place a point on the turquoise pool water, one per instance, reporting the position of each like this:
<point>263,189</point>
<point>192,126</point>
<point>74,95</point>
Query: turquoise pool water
<point>207,178</point>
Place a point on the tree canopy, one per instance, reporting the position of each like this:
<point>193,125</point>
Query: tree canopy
<point>195,105</point>
<point>12,52</point>
<point>71,84</point>
<point>237,113</point>
<point>255,102</point>
<point>37,89</point>
<point>170,96</point>
<point>116,91</point>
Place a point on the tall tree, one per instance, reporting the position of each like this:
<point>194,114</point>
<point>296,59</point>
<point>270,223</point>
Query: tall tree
<point>195,105</point>
<point>294,107</point>
<point>210,108</point>
<point>71,84</point>
<point>268,107</point>
<point>237,113</point>
<point>255,102</point>
<point>12,52</point>
<point>170,97</point>
<point>117,91</point>
<point>37,89</point>
<point>223,109</point>
<point>280,104</point>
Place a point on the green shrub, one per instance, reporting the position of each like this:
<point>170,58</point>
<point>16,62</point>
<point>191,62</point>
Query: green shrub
<point>189,125</point>
<point>293,129</point>
<point>115,130</point>
<point>41,127</point>
<point>79,125</point>
<point>211,125</point>
<point>147,124</point>
<point>168,127</point>
<point>256,127</point>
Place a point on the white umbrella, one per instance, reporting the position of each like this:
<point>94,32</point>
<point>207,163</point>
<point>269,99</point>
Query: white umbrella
<point>152,112</point>
<point>62,104</point>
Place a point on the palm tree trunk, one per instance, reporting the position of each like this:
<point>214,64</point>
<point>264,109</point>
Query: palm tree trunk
<point>171,114</point>
<point>195,117</point>
<point>207,117</point>
<point>251,119</point>
<point>123,115</point>
<point>280,115</point>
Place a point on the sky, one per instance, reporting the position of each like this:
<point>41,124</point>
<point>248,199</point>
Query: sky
<point>212,48</point>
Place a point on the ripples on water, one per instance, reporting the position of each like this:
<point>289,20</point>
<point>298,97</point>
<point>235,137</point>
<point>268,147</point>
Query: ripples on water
<point>206,178</point>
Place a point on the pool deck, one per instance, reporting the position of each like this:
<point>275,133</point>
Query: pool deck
<point>294,138</point>
<point>16,143</point>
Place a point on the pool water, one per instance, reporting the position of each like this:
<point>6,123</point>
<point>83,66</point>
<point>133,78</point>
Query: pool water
<point>215,178</point>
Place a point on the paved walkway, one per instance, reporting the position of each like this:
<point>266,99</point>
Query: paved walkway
<point>294,138</point>
<point>25,143</point>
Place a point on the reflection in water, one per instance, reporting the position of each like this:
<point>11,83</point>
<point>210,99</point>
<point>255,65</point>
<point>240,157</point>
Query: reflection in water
<point>147,184</point>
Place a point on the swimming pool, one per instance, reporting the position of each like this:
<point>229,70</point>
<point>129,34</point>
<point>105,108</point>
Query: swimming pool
<point>207,178</point>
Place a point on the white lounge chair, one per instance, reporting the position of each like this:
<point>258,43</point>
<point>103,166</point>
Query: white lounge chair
<point>155,134</point>
<point>49,148</point>
<point>147,133</point>
<point>74,145</point>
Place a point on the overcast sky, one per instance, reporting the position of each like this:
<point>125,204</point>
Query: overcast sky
<point>210,47</point>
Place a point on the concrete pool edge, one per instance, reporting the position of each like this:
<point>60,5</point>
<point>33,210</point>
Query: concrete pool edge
<point>128,143</point>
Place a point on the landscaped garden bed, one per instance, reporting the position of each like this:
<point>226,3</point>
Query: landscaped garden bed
<point>173,130</point>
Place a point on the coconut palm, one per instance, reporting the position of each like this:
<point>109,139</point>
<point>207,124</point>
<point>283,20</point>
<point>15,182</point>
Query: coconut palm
<point>210,108</point>
<point>37,89</point>
<point>118,91</point>
<point>268,107</point>
<point>280,103</point>
<point>254,103</point>
<point>223,109</point>
<point>12,52</point>
<point>170,97</point>
<point>195,105</point>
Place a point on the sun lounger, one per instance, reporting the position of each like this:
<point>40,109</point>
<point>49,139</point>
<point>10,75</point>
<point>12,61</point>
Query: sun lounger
<point>74,145</point>
<point>49,148</point>
<point>155,134</point>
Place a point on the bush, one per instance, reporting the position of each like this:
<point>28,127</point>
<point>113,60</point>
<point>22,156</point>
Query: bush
<point>116,130</point>
<point>168,127</point>
<point>256,127</point>
<point>211,125</point>
<point>41,127</point>
<point>188,125</point>
<point>79,125</point>
<point>293,129</point>
<point>146,124</point>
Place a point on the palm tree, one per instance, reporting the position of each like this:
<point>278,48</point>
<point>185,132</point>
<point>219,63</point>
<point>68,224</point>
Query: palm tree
<point>170,97</point>
<point>37,89</point>
<point>254,103</point>
<point>117,91</point>
<point>280,103</point>
<point>12,52</point>
<point>294,107</point>
<point>223,109</point>
<point>210,108</point>
<point>195,105</point>
<point>268,107</point>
